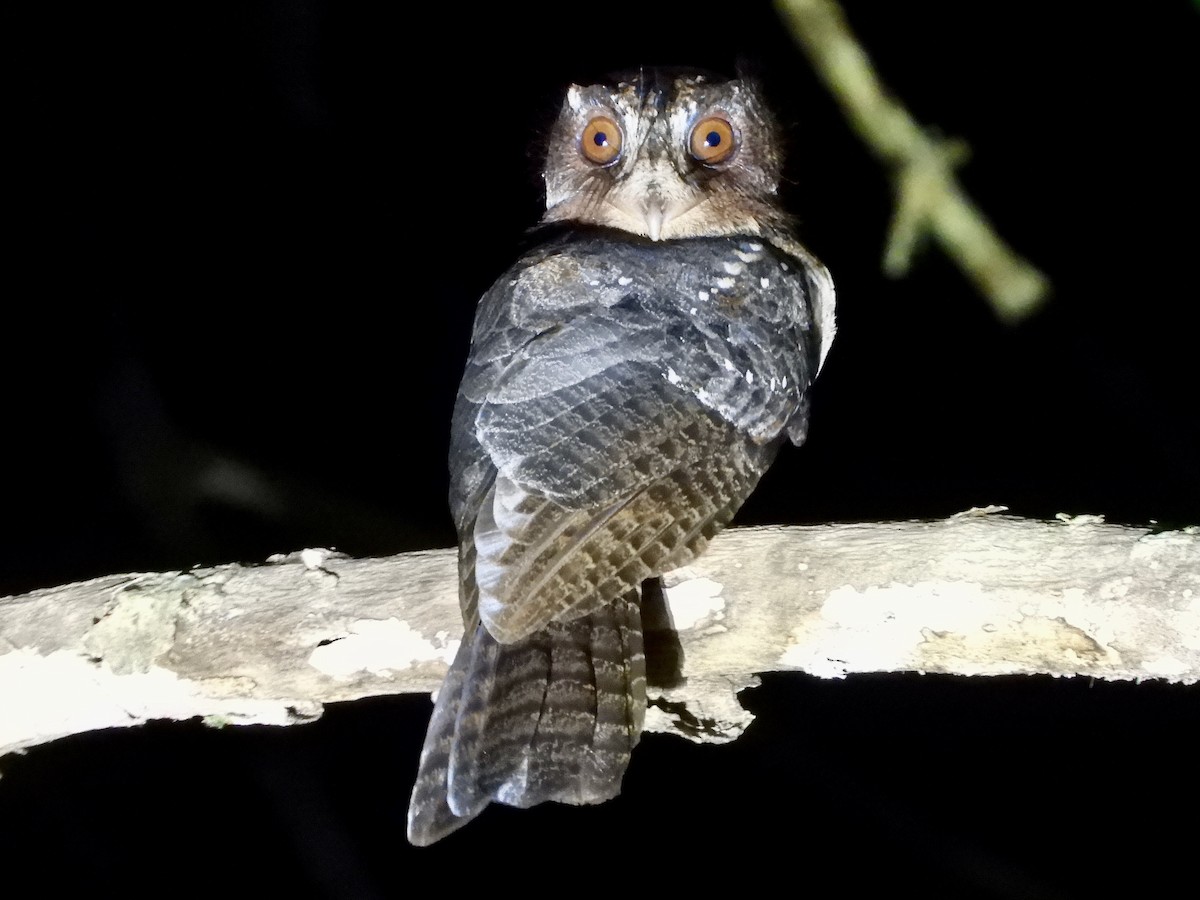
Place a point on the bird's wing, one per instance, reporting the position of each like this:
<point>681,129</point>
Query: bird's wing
<point>606,429</point>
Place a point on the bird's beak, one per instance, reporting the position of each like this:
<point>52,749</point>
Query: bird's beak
<point>654,222</point>
<point>655,215</point>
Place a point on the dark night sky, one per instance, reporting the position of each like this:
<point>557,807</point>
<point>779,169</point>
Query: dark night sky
<point>244,242</point>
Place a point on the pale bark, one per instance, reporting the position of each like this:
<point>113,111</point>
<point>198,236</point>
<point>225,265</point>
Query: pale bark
<point>975,594</point>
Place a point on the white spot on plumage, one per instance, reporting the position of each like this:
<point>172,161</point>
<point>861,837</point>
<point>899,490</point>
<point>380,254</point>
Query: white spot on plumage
<point>725,283</point>
<point>702,295</point>
<point>755,246</point>
<point>783,266</point>
<point>733,268</point>
<point>747,257</point>
<point>728,364</point>
<point>672,376</point>
<point>625,280</point>
<point>575,98</point>
<point>765,282</point>
<point>749,377</point>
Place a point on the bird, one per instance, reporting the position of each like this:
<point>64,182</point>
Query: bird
<point>629,380</point>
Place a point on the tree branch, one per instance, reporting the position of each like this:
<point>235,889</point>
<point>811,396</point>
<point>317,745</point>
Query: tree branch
<point>976,594</point>
<point>929,200</point>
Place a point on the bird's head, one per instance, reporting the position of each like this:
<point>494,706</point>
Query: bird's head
<point>677,157</point>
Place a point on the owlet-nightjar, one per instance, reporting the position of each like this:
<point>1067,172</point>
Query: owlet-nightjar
<point>630,379</point>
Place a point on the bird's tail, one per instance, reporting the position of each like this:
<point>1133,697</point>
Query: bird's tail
<point>553,716</point>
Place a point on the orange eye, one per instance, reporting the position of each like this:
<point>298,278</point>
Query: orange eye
<point>712,141</point>
<point>601,141</point>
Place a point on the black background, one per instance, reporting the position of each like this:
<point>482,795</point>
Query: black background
<point>242,248</point>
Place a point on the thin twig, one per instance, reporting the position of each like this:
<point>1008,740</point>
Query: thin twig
<point>929,200</point>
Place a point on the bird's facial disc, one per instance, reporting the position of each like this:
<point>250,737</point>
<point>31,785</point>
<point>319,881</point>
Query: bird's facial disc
<point>688,161</point>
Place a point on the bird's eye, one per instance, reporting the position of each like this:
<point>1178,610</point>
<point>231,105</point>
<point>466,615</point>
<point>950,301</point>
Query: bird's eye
<point>712,141</point>
<point>600,142</point>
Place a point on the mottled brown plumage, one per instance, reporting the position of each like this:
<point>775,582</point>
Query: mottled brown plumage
<point>629,381</point>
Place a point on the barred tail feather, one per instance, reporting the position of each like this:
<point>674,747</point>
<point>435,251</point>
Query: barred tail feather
<point>553,716</point>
